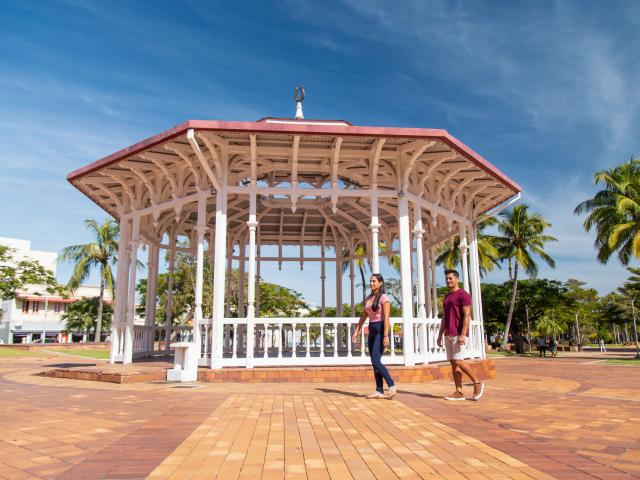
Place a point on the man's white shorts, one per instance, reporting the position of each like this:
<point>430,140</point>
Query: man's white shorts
<point>455,351</point>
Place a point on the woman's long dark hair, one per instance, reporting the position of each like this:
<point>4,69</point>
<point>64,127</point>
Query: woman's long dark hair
<point>376,301</point>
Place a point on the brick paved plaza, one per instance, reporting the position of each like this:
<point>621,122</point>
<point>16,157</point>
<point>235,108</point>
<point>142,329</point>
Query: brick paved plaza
<point>567,418</point>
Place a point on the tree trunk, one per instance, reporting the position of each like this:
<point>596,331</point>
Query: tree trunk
<point>507,327</point>
<point>364,286</point>
<point>100,305</point>
<point>526,311</point>
<point>577,330</point>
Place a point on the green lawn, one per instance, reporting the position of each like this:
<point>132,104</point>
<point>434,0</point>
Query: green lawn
<point>14,352</point>
<point>623,361</point>
<point>98,354</point>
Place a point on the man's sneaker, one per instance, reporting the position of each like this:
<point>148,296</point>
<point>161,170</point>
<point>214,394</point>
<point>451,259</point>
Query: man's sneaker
<point>392,392</point>
<point>478,390</point>
<point>375,394</point>
<point>455,396</point>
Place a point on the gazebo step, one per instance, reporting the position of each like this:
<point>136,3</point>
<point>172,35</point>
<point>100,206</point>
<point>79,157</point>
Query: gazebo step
<point>157,372</point>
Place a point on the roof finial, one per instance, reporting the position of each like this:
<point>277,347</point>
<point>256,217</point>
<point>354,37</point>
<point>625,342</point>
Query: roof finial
<point>298,96</point>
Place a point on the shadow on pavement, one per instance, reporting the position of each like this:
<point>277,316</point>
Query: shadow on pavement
<point>340,392</point>
<point>70,365</point>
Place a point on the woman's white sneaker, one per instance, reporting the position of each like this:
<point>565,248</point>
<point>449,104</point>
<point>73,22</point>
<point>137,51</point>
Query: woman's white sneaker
<point>375,394</point>
<point>392,392</point>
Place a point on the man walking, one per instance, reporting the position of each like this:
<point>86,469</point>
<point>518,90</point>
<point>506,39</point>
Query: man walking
<point>455,328</point>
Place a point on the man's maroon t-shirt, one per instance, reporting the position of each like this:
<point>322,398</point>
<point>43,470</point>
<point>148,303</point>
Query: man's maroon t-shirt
<point>453,314</point>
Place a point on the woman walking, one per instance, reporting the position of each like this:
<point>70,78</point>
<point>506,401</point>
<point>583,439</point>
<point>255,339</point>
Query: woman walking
<point>377,308</point>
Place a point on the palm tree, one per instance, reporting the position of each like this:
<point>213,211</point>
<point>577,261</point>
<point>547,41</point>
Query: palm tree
<point>488,252</point>
<point>523,237</point>
<point>101,253</point>
<point>361,251</point>
<point>614,211</point>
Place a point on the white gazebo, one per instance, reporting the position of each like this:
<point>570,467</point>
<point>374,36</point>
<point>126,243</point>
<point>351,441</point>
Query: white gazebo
<point>229,188</point>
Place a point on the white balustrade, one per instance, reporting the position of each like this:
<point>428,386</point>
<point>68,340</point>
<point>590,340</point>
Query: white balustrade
<point>332,344</point>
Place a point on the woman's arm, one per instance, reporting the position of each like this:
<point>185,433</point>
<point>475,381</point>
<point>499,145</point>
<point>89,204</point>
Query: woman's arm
<point>363,317</point>
<point>386,308</point>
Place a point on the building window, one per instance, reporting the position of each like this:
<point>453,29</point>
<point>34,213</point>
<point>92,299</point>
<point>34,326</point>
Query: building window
<point>25,306</point>
<point>36,307</point>
<point>56,307</point>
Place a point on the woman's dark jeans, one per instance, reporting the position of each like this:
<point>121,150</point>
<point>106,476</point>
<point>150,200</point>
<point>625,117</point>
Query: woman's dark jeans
<point>376,347</point>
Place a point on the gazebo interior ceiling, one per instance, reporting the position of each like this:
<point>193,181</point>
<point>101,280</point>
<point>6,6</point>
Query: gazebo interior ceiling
<point>428,168</point>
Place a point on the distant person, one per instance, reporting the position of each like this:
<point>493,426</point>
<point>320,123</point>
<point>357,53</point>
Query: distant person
<point>377,308</point>
<point>602,347</point>
<point>455,328</point>
<point>552,346</point>
<point>542,346</point>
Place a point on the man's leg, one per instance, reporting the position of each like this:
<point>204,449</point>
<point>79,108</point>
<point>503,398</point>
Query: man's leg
<point>452,350</point>
<point>457,375</point>
<point>463,367</point>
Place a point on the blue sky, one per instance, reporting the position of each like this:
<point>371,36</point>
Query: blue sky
<point>548,92</point>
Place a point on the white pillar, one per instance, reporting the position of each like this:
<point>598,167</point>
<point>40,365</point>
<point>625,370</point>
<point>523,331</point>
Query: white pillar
<point>463,248</point>
<point>323,278</point>
<point>427,282</point>
<point>131,290</point>
<point>258,272</point>
<point>172,267</point>
<point>150,302</point>
<point>338,280</point>
<point>201,229</point>
<point>375,227</point>
<point>405,278</point>
<point>219,279</point>
<point>243,249</point>
<point>120,309</point>
<point>434,287</point>
<point>227,308</point>
<point>476,289</point>
<point>352,277</point>
<point>251,311</point>
<point>418,231</point>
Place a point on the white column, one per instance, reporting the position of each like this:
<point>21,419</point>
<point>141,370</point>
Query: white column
<point>243,249</point>
<point>352,277</point>
<point>418,231</point>
<point>131,290</point>
<point>375,227</point>
<point>258,272</point>
<point>172,267</point>
<point>219,278</point>
<point>427,283</point>
<point>463,248</point>
<point>476,293</point>
<point>434,287</point>
<point>338,280</point>
<point>201,229</point>
<point>227,308</point>
<point>405,278</point>
<point>150,302</point>
<point>335,339</point>
<point>251,310</point>
<point>120,309</point>
<point>323,278</point>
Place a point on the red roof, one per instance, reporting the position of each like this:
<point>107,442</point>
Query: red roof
<point>303,127</point>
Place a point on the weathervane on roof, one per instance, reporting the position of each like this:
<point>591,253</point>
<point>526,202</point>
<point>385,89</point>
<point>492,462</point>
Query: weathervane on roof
<point>298,96</point>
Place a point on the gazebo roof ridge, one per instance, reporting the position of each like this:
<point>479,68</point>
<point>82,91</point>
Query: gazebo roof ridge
<point>298,127</point>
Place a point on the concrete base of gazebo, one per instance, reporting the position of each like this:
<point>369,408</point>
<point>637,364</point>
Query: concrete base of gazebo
<point>156,372</point>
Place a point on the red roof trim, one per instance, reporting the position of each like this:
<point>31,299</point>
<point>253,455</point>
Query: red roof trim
<point>293,128</point>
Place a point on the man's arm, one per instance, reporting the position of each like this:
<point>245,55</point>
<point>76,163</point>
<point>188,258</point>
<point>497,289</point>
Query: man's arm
<point>466,320</point>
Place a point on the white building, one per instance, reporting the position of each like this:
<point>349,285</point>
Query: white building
<point>33,314</point>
